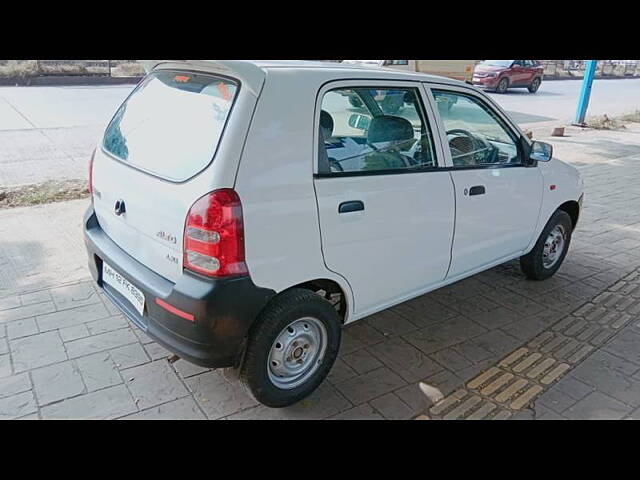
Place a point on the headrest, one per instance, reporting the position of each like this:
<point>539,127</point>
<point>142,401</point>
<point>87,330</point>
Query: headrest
<point>326,122</point>
<point>387,128</point>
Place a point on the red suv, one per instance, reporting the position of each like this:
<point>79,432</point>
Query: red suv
<point>499,75</point>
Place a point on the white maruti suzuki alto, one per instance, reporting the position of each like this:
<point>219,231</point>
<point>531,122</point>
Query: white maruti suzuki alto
<point>242,212</point>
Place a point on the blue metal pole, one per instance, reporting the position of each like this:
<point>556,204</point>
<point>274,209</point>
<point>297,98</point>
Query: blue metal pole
<point>585,93</point>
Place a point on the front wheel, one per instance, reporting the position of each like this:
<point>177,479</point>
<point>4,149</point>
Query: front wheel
<point>535,85</point>
<point>550,249</point>
<point>503,84</point>
<point>291,349</point>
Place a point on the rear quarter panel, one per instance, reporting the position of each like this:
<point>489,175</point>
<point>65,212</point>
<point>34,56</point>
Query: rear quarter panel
<point>275,185</point>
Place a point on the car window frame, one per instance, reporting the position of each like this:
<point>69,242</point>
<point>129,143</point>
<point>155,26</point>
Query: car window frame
<point>522,142</point>
<point>439,153</point>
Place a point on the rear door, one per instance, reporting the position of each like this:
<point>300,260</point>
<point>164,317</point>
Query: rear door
<point>498,199</point>
<point>164,135</point>
<point>386,212</point>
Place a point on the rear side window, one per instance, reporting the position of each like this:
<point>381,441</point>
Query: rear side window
<point>373,130</point>
<point>172,123</point>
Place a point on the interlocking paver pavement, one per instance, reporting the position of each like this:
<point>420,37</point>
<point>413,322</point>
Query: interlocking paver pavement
<point>66,352</point>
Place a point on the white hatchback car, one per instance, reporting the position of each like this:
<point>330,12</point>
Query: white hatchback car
<point>242,212</point>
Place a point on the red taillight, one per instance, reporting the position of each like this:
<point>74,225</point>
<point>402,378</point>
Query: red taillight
<point>214,235</point>
<point>91,173</point>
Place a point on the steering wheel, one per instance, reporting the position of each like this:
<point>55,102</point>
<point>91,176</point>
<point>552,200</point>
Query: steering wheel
<point>465,143</point>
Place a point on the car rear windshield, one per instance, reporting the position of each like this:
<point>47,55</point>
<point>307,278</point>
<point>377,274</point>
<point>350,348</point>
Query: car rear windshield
<point>172,123</point>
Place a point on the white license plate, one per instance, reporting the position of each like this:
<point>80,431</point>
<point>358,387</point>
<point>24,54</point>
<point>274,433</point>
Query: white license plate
<point>123,286</point>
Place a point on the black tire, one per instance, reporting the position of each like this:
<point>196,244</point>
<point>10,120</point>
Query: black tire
<point>535,85</point>
<point>290,306</point>
<point>503,85</point>
<point>532,263</point>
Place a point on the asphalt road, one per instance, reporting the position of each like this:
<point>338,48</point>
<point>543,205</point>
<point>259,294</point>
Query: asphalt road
<point>49,132</point>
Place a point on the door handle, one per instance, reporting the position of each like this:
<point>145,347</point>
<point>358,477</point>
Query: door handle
<point>477,190</point>
<point>351,206</point>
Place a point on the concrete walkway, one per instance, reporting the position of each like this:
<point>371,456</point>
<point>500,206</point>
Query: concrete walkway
<point>65,352</point>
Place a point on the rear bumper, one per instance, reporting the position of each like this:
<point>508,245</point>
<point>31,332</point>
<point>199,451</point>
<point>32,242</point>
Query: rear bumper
<point>224,310</point>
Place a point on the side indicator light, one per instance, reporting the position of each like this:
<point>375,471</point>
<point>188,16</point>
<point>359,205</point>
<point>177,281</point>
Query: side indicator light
<point>174,310</point>
<point>552,187</point>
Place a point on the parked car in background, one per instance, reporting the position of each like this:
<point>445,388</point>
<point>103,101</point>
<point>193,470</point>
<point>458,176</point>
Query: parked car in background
<point>500,75</point>
<point>234,240</point>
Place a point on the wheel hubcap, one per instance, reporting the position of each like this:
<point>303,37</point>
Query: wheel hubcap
<point>297,353</point>
<point>553,247</point>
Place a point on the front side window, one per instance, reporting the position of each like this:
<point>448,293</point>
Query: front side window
<point>172,123</point>
<point>475,133</point>
<point>374,129</point>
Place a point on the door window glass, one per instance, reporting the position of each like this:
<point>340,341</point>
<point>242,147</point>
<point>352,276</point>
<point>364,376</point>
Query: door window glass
<point>373,129</point>
<point>475,133</point>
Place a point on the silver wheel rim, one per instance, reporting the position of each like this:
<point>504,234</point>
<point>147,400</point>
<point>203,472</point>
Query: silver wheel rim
<point>297,353</point>
<point>553,247</point>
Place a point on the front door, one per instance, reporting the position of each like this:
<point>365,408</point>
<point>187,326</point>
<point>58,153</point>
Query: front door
<point>386,214</point>
<point>497,198</point>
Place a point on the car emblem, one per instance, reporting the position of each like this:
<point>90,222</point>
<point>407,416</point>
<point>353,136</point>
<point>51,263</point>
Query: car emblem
<point>119,208</point>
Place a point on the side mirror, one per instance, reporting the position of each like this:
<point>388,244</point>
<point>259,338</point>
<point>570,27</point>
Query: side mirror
<point>541,152</point>
<point>360,122</point>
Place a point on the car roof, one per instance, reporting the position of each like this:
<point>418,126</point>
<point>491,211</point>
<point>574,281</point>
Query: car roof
<point>253,72</point>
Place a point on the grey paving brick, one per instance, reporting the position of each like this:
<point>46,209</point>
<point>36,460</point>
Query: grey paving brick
<point>5,366</point>
<point>362,361</point>
<point>156,351</point>
<point>112,402</point>
<point>187,369</point>
<point>71,317</point>
<point>37,351</point>
<point>495,318</point>
<point>444,334</point>
<point>19,313</point>
<point>4,346</point>
<point>98,371</point>
<point>17,406</point>
<point>57,382</point>
<point>321,404</point>
<point>21,328</point>
<point>597,406</point>
<point>626,344</point>
<point>373,384</point>
<point>413,397</point>
<point>451,359</point>
<point>390,323</point>
<point>611,375</point>
<point>364,333</point>
<point>361,412</point>
<point>425,310</point>
<point>129,356</point>
<point>445,381</point>
<point>98,343</point>
<point>181,409</point>
<point>407,361</point>
<point>340,372</point>
<point>107,324</point>
<point>75,295</point>
<point>391,407</point>
<point>153,383</point>
<point>3,331</point>
<point>9,302</point>
<point>73,333</point>
<point>35,297</point>
<point>472,351</point>
<point>15,384</point>
<point>556,400</point>
<point>218,397</point>
<point>497,342</point>
<point>574,388</point>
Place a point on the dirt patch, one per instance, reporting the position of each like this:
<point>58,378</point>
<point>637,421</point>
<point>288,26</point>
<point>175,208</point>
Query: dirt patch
<point>40,193</point>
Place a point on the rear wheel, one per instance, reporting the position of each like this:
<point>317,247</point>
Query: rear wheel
<point>292,348</point>
<point>503,85</point>
<point>535,85</point>
<point>550,249</point>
